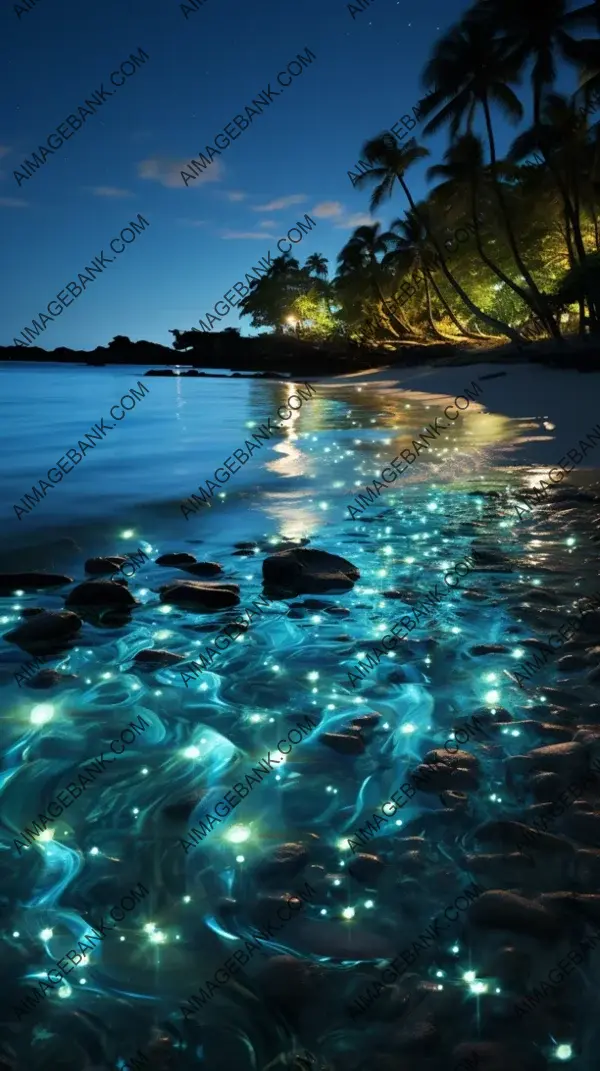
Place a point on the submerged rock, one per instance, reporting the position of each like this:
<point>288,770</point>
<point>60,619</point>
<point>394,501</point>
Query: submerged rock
<point>95,593</point>
<point>281,865</point>
<point>343,743</point>
<point>104,566</point>
<point>46,630</point>
<point>156,659</point>
<point>12,582</point>
<point>49,678</point>
<point>500,910</point>
<point>176,558</point>
<point>200,597</point>
<point>203,569</point>
<point>304,571</point>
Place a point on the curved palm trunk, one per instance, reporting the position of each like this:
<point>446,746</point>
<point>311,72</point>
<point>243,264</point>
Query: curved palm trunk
<point>518,290</point>
<point>498,325</point>
<point>541,305</point>
<point>435,330</point>
<point>395,323</point>
<point>443,302</point>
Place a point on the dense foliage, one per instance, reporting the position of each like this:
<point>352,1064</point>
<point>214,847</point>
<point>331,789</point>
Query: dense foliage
<point>532,262</point>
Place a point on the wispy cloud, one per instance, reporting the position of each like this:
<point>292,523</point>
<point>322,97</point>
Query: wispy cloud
<point>109,191</point>
<point>236,195</point>
<point>246,234</point>
<point>357,219</point>
<point>4,150</point>
<point>325,209</point>
<point>267,223</point>
<point>168,172</point>
<point>191,222</point>
<point>12,202</point>
<point>283,202</point>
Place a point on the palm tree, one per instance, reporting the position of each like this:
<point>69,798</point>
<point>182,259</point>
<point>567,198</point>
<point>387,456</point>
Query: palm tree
<point>561,134</point>
<point>390,163</point>
<point>470,69</point>
<point>408,252</point>
<point>361,252</point>
<point>464,172</point>
<point>317,264</point>
<point>534,30</point>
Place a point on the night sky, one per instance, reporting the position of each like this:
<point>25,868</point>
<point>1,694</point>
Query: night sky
<point>127,158</point>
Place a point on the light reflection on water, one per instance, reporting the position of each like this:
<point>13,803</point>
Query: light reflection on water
<point>204,738</point>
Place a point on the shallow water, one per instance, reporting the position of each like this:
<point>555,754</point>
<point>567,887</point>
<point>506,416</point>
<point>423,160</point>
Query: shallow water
<point>128,826</point>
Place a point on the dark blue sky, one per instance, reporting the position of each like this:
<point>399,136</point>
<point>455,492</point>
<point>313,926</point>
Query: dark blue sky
<point>126,159</point>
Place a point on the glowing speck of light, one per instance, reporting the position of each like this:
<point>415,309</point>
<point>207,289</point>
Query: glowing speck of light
<point>240,858</point>
<point>469,976</point>
<point>145,771</point>
<point>64,991</point>
<point>343,845</point>
<point>348,912</point>
<point>106,676</point>
<point>82,981</point>
<point>492,697</point>
<point>47,834</point>
<point>121,938</point>
<point>41,713</point>
<point>455,949</point>
<point>149,927</point>
<point>94,851</point>
<point>563,1052</point>
<point>46,934</point>
<point>408,728</point>
<point>275,669</point>
<point>369,903</point>
<point>518,652</point>
<point>491,678</point>
<point>192,752</point>
<point>314,676</point>
<point>186,899</point>
<point>398,821</point>
<point>165,609</point>
<point>135,810</point>
<point>128,534</point>
<point>158,937</point>
<point>570,543</point>
<point>409,561</point>
<point>237,834</point>
<point>336,881</point>
<point>255,717</point>
<point>479,987</point>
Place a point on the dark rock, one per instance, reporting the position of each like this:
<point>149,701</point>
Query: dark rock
<point>176,558</point>
<point>392,594</point>
<point>366,867</point>
<point>200,597</point>
<point>282,864</point>
<point>343,743</point>
<point>31,611</point>
<point>419,1038</point>
<point>157,659</point>
<point>96,593</point>
<point>203,569</point>
<point>559,758</point>
<point>488,648</point>
<point>439,776</point>
<point>500,910</point>
<point>337,611</point>
<point>509,834</point>
<point>48,678</point>
<point>590,623</point>
<point>104,566</point>
<point>12,582</point>
<point>48,630</point>
<point>308,571</point>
